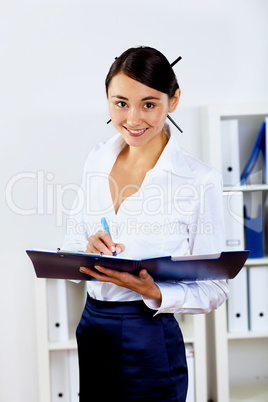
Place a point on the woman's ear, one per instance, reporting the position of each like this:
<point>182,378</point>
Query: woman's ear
<point>174,101</point>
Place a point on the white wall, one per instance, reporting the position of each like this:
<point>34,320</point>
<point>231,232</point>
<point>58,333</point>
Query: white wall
<point>54,56</point>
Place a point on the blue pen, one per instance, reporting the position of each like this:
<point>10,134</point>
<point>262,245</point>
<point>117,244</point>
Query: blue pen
<point>106,227</point>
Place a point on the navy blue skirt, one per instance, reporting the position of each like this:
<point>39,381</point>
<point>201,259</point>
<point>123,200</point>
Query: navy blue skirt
<point>126,354</point>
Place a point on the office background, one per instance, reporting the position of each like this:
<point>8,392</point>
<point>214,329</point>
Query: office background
<point>54,56</point>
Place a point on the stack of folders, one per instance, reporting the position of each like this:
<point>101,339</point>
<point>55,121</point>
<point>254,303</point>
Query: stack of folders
<point>248,301</point>
<point>234,223</point>
<point>237,305</point>
<point>247,306</point>
<point>255,211</point>
<point>64,376</point>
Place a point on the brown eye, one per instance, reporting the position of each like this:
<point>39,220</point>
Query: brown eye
<point>149,105</point>
<point>121,104</point>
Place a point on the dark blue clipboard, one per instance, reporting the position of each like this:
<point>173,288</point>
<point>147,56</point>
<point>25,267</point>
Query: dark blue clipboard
<point>65,265</point>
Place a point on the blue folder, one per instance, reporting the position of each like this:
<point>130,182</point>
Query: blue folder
<point>258,147</point>
<point>254,234</point>
<point>65,265</point>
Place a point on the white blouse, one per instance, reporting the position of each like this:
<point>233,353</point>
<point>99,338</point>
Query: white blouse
<point>176,211</point>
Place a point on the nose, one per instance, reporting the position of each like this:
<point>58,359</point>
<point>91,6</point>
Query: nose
<point>133,117</point>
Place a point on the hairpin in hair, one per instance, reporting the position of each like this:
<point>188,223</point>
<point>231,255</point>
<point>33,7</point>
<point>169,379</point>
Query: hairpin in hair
<point>176,61</point>
<point>175,124</point>
<point>172,121</point>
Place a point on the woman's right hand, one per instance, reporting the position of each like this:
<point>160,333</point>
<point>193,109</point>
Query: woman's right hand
<point>101,242</point>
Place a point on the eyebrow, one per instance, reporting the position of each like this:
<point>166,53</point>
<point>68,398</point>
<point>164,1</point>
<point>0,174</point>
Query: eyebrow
<point>143,99</point>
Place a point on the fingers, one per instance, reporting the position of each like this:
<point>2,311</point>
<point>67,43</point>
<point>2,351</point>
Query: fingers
<point>120,278</point>
<point>101,242</point>
<point>143,274</point>
<point>142,283</point>
<point>119,248</point>
<point>94,273</point>
<point>103,274</point>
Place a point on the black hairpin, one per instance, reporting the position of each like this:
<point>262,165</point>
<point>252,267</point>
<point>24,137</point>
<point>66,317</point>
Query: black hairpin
<point>172,121</point>
<point>109,121</point>
<point>176,61</point>
<point>176,125</point>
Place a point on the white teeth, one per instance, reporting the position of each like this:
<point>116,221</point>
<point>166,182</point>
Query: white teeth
<point>136,131</point>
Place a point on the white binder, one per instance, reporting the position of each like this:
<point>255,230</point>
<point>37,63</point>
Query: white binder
<point>191,374</point>
<point>237,305</point>
<point>230,152</point>
<point>234,221</point>
<point>59,376</point>
<point>258,298</point>
<point>73,375</point>
<point>57,310</point>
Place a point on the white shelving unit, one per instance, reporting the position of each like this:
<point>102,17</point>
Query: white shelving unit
<point>75,299</point>
<point>193,329</point>
<point>194,333</point>
<point>243,353</point>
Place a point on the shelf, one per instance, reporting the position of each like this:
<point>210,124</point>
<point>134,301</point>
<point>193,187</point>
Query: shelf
<point>257,392</point>
<point>188,340</point>
<point>247,335</point>
<point>69,344</point>
<point>66,345</point>
<point>240,359</point>
<point>233,110</point>
<point>246,187</point>
<point>251,262</point>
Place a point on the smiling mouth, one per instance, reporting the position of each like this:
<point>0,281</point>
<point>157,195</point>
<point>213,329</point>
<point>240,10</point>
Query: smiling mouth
<point>135,133</point>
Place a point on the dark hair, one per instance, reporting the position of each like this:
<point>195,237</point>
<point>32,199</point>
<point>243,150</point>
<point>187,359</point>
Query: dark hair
<point>148,66</point>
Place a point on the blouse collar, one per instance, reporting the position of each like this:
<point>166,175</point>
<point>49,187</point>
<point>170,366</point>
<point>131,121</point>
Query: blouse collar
<point>172,158</point>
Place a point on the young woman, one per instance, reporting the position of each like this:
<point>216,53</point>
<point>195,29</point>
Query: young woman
<point>159,200</point>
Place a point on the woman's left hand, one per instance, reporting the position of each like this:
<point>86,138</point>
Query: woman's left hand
<point>142,284</point>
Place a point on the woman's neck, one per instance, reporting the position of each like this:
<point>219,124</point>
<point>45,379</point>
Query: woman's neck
<point>145,157</point>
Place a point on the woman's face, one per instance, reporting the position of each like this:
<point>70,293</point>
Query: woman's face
<point>138,112</point>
